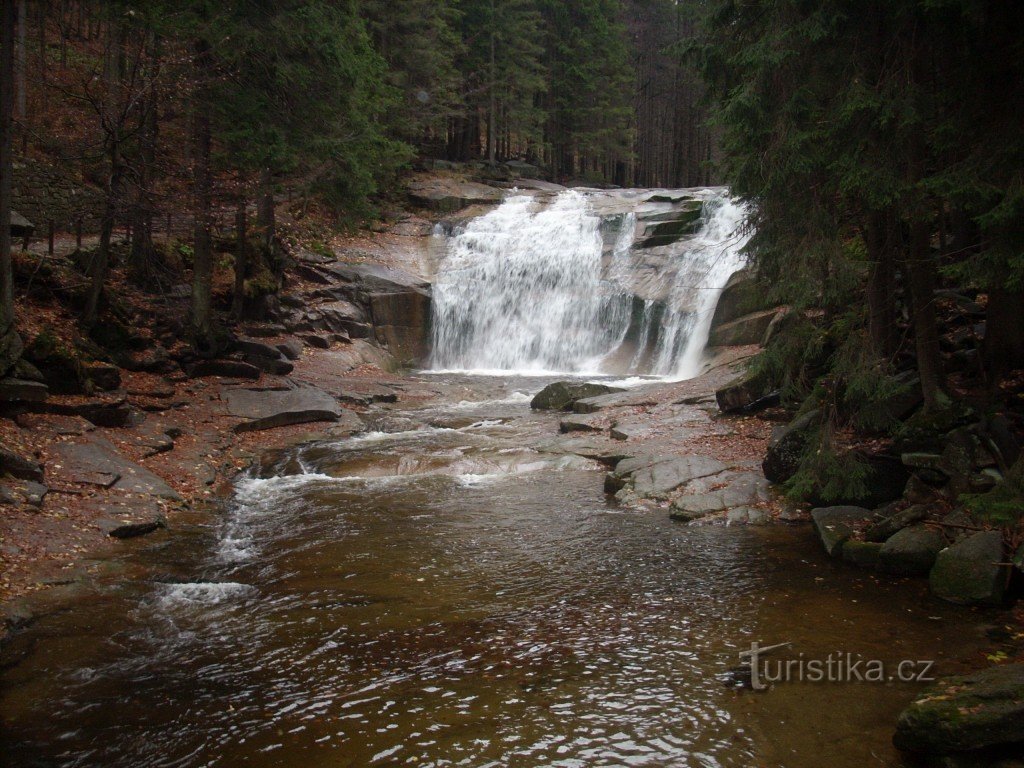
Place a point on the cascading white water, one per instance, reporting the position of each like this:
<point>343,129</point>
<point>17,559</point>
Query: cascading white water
<point>710,258</point>
<point>525,288</point>
<point>521,289</point>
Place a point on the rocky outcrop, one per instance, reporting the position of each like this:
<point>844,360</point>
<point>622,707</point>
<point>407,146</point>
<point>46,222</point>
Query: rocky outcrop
<point>447,195</point>
<point>95,461</point>
<point>738,490</point>
<point>981,710</point>
<point>748,329</point>
<point>740,297</point>
<point>657,479</point>
<point>562,395</point>
<point>667,223</point>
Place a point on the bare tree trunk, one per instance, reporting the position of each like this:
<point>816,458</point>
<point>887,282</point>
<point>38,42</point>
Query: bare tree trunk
<point>114,75</point>
<point>241,261</point>
<point>881,293</point>
<point>142,213</point>
<point>492,116</point>
<point>266,220</point>
<point>921,279</point>
<point>202,311</point>
<point>10,342</point>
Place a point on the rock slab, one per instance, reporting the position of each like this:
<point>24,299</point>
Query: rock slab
<point>263,409</point>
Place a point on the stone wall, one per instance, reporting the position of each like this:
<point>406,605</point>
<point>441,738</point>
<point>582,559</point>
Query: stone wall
<point>43,193</point>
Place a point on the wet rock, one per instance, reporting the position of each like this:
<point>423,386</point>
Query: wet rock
<point>613,399</point>
<point>970,572</point>
<point>121,530</point>
<point>580,424</point>
<point>268,409</point>
<point>15,390</point>
<point>748,329</point>
<point>890,524</point>
<point>835,525</point>
<point>785,450</point>
<point>970,712</point>
<point>14,465</point>
<point>748,516</point>
<point>863,554</point>
<point>742,489</point>
<point>911,551</point>
<point>657,480</point>
<point>748,394</point>
<point>562,395</point>
<point>97,462</point>
<point>230,369</point>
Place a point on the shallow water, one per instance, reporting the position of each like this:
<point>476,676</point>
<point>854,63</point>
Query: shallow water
<point>447,596</point>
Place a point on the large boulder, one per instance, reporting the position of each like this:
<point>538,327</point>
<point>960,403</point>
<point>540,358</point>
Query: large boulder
<point>786,448</point>
<point>911,551</point>
<point>659,228</point>
<point>834,525</point>
<point>981,710</point>
<point>561,395</point>
<point>970,572</point>
<point>889,524</point>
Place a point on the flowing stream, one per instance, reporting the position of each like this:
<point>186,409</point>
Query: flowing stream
<point>447,594</point>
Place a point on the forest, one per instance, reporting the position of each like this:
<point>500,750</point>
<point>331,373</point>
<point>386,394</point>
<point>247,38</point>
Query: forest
<point>609,315</point>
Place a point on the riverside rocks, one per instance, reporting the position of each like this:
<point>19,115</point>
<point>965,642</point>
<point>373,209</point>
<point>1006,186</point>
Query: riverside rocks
<point>657,479</point>
<point>561,395</point>
<point>971,572</point>
<point>835,525</point>
<point>266,409</point>
<point>911,551</point>
<point>981,710</point>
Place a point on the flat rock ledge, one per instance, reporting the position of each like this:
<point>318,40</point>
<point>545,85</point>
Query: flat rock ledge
<point>266,409</point>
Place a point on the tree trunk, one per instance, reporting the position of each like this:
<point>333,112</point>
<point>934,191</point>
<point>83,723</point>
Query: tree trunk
<point>241,261</point>
<point>1004,333</point>
<point>10,343</point>
<point>881,293</point>
<point>265,219</point>
<point>202,275</point>
<point>142,252</point>
<point>921,280</point>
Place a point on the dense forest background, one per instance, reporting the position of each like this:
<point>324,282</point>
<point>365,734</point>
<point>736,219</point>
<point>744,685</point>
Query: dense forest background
<point>879,144</point>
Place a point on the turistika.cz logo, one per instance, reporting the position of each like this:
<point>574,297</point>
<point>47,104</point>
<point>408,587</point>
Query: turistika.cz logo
<point>759,672</point>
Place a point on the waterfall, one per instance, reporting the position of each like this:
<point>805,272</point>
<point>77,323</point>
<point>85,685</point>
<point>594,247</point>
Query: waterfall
<point>530,287</point>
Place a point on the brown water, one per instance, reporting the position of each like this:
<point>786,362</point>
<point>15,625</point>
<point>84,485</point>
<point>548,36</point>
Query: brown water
<point>445,597</point>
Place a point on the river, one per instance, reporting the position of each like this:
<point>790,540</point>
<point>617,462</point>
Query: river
<point>445,594</point>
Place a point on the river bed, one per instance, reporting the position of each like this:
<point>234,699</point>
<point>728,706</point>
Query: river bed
<point>437,592</point>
